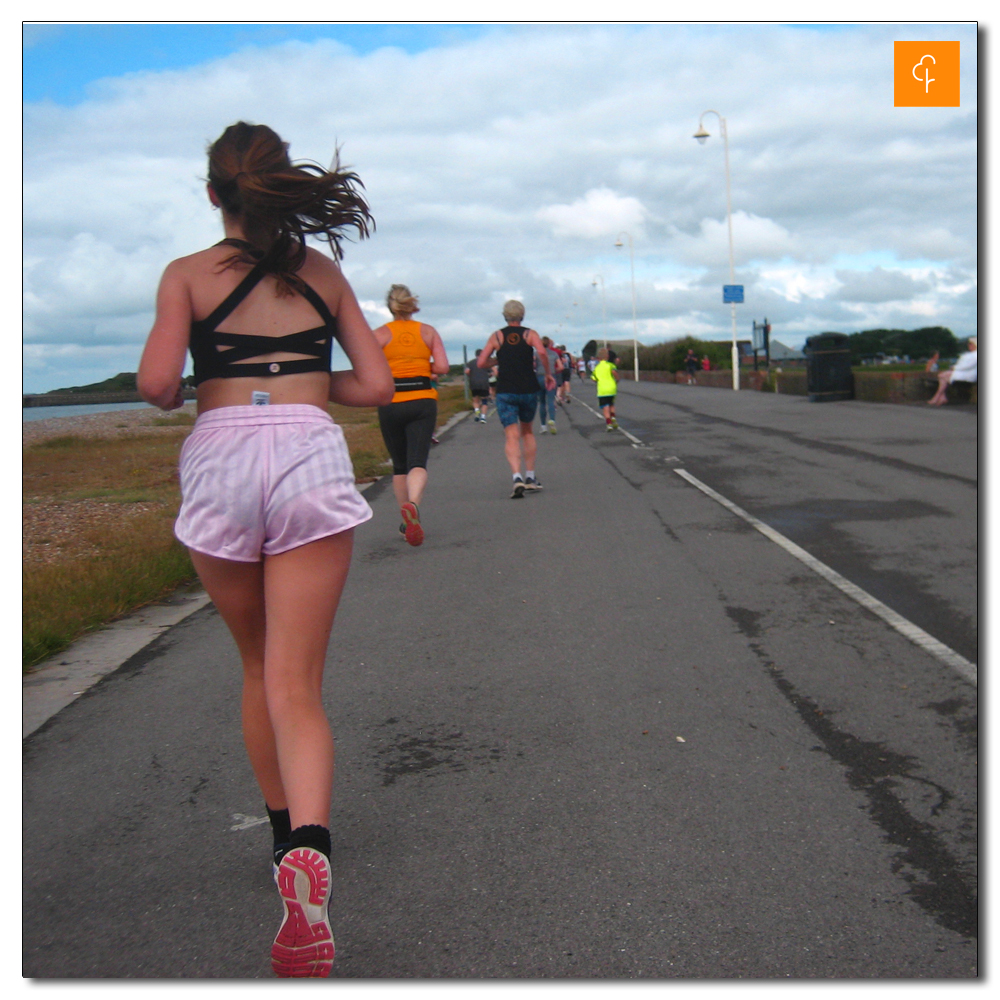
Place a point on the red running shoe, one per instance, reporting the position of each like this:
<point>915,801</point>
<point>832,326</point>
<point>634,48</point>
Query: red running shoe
<point>304,945</point>
<point>411,518</point>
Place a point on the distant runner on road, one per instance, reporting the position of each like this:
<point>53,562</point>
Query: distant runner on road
<point>547,395</point>
<point>416,357</point>
<point>605,374</point>
<point>517,391</point>
<point>563,395</point>
<point>479,389</point>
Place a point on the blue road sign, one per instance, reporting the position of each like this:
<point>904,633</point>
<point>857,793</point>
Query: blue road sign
<point>732,293</point>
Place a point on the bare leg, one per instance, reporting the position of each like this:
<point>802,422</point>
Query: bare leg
<point>416,482</point>
<point>512,448</point>
<point>302,589</point>
<point>237,591</point>
<point>940,397</point>
<point>529,446</point>
<point>400,490</point>
<point>280,614</point>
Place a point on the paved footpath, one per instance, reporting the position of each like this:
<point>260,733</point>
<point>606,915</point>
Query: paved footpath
<point>608,731</point>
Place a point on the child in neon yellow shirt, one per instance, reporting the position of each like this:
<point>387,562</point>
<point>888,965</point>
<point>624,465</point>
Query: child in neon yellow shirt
<point>605,374</point>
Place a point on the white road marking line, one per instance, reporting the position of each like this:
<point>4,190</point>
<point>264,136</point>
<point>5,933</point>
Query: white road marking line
<point>244,822</point>
<point>636,443</point>
<point>906,628</point>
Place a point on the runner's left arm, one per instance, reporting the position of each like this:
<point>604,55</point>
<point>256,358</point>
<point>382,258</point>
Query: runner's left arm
<point>440,363</point>
<point>536,342</point>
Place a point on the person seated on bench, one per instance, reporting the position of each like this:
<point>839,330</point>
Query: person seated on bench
<point>965,370</point>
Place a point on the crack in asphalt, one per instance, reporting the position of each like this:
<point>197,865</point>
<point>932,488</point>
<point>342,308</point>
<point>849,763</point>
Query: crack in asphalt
<point>936,882</point>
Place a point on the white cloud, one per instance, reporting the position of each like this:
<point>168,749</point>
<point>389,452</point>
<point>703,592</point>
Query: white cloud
<point>510,163</point>
<point>796,282</point>
<point>600,212</point>
<point>754,239</point>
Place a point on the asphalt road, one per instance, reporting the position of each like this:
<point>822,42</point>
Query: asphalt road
<point>608,731</point>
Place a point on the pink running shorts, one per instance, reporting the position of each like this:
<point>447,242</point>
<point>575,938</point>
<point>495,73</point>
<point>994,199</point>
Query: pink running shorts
<point>259,480</point>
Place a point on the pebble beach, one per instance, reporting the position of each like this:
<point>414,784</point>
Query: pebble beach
<point>114,423</point>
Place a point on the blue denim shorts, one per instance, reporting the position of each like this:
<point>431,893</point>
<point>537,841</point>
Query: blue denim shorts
<point>515,406</point>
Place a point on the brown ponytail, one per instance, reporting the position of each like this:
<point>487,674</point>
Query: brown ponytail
<point>279,203</point>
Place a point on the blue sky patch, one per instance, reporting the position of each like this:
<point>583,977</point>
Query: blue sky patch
<point>60,60</point>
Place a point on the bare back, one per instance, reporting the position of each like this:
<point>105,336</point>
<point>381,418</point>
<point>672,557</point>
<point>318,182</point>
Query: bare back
<point>262,313</point>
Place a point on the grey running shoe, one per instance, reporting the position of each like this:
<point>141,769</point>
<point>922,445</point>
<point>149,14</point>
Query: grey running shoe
<point>518,490</point>
<point>532,484</point>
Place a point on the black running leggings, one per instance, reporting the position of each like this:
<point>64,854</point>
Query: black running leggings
<point>406,429</point>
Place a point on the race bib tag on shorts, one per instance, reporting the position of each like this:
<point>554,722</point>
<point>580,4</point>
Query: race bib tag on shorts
<point>258,398</point>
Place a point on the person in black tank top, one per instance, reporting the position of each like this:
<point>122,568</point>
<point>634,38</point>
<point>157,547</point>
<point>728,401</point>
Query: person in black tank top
<point>517,392</point>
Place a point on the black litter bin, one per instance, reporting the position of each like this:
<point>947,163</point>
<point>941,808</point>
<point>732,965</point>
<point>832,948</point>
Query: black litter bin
<point>828,368</point>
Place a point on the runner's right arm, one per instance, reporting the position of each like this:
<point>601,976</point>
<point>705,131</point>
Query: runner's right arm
<point>483,361</point>
<point>163,358</point>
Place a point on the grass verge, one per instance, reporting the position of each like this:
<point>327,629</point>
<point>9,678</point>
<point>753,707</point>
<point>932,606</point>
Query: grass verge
<point>98,522</point>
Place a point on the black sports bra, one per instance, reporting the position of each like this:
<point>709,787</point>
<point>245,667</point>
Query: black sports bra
<point>210,362</point>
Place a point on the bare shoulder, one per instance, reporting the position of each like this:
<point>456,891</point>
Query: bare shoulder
<point>209,258</point>
<point>319,269</point>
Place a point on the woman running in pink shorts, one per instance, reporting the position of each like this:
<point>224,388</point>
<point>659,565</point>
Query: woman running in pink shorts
<point>268,497</point>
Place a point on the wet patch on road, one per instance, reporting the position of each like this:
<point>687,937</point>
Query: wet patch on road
<point>961,716</point>
<point>820,445</point>
<point>937,883</point>
<point>427,751</point>
<point>894,790</point>
<point>393,551</point>
<point>746,620</point>
<point>813,515</point>
<point>813,524</point>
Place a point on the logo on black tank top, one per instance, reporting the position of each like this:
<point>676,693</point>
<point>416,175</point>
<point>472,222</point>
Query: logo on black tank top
<point>513,338</point>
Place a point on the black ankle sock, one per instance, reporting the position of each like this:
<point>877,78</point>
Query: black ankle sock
<point>281,829</point>
<point>314,836</point>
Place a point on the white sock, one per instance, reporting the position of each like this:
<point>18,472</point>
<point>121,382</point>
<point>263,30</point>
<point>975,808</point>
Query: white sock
<point>530,474</point>
<point>517,476</point>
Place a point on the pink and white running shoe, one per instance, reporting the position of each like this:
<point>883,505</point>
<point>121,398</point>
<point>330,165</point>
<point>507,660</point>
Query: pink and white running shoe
<point>304,946</point>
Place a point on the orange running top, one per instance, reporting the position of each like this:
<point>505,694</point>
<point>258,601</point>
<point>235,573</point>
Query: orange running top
<point>409,358</point>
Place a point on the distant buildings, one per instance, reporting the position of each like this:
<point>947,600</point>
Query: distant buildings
<point>781,352</point>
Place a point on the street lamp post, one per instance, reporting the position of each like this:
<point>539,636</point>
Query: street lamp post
<point>701,135</point>
<point>604,307</point>
<point>635,328</point>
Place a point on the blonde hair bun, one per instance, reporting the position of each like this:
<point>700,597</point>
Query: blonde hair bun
<point>401,300</point>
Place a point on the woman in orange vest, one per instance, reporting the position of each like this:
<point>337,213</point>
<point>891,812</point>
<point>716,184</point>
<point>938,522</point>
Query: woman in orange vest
<point>415,352</point>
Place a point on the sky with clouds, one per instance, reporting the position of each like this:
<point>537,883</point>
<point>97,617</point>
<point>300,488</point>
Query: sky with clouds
<point>504,161</point>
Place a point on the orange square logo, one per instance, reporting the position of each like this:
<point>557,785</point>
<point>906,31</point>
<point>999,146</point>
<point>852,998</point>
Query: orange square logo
<point>926,75</point>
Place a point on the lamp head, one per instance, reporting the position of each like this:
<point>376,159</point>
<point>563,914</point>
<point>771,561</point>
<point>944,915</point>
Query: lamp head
<point>618,243</point>
<point>701,135</point>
